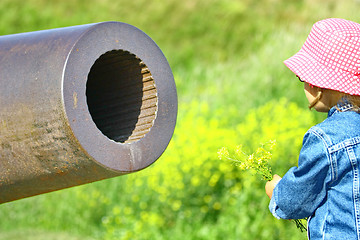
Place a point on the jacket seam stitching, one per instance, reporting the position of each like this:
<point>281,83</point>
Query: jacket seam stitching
<point>327,143</point>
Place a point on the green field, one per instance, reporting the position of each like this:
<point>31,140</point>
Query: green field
<point>233,88</point>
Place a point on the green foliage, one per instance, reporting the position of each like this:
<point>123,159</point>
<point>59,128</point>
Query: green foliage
<point>227,61</point>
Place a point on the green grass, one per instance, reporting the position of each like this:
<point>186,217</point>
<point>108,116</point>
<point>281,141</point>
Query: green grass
<point>39,235</point>
<point>226,57</point>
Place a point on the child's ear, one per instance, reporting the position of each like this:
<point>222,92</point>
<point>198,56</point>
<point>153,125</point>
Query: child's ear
<point>317,98</point>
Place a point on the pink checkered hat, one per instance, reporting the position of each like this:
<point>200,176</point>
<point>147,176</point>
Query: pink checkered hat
<point>330,56</point>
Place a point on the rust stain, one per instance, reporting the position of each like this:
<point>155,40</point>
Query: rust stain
<point>60,172</point>
<point>75,100</point>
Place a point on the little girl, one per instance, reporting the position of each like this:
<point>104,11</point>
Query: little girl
<point>325,187</point>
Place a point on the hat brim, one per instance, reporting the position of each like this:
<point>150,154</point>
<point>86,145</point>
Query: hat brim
<point>317,74</point>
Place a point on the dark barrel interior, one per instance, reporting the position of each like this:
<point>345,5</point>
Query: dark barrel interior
<point>121,96</point>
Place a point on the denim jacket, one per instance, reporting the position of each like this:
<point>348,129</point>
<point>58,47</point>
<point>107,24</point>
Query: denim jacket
<point>325,186</point>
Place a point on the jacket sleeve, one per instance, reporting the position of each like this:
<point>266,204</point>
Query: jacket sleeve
<point>303,189</point>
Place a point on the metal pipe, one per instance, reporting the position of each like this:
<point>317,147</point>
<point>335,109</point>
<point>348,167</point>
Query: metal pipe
<point>80,104</point>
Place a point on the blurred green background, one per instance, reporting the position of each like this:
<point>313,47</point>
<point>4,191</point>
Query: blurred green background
<point>233,88</point>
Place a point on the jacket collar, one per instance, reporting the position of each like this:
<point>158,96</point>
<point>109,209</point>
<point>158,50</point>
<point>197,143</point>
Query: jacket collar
<point>342,106</point>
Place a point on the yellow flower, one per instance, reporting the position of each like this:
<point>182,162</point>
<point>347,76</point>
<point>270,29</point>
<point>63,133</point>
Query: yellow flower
<point>258,161</point>
<point>223,153</point>
<point>217,206</point>
<point>176,205</point>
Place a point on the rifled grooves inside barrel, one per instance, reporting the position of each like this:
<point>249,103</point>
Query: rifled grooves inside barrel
<point>121,96</point>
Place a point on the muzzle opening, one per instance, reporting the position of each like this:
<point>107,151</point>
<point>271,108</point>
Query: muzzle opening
<point>121,96</point>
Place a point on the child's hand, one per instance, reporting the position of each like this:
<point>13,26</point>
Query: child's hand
<point>270,185</point>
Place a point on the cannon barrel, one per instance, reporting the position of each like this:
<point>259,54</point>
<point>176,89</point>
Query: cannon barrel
<point>80,104</point>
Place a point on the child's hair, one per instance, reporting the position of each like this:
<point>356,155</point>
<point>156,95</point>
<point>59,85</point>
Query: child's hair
<point>354,100</point>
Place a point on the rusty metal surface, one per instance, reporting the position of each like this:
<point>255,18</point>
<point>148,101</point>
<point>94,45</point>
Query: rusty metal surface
<point>81,104</point>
